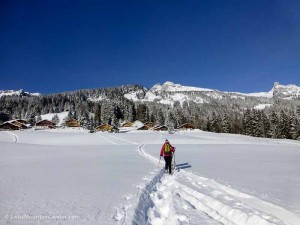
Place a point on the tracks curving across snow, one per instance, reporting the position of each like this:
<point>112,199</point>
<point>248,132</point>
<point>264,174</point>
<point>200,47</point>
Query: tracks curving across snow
<point>13,135</point>
<point>186,198</point>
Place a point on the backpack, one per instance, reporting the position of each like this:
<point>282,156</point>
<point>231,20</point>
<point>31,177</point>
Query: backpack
<point>167,149</point>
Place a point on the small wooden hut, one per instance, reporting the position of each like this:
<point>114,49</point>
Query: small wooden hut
<point>186,126</point>
<point>9,126</point>
<point>143,128</point>
<point>149,124</point>
<point>127,124</point>
<point>19,124</point>
<point>21,121</point>
<point>160,128</point>
<point>45,124</point>
<point>73,123</point>
<point>107,127</point>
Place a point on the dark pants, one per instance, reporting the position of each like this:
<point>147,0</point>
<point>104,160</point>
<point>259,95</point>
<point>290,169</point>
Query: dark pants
<point>168,166</point>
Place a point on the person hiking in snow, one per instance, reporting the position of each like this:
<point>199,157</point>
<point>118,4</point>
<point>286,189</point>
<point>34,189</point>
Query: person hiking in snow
<point>167,152</point>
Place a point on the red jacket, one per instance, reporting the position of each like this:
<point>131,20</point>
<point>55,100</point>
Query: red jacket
<point>163,148</point>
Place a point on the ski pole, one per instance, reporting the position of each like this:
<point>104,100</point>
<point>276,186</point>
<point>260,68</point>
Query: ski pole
<point>158,162</point>
<point>174,161</point>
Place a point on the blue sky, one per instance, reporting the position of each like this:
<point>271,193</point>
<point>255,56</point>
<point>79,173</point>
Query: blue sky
<point>54,46</point>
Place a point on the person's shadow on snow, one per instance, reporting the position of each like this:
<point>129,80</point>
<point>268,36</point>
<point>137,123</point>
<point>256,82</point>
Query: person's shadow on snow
<point>183,166</point>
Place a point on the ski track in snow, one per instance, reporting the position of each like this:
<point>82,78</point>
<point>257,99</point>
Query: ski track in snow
<point>13,135</point>
<point>107,139</point>
<point>115,140</point>
<point>122,139</point>
<point>186,198</point>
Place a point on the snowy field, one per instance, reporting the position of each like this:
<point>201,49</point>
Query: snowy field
<point>74,177</point>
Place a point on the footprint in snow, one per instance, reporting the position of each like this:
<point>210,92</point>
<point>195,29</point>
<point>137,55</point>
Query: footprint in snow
<point>127,197</point>
<point>118,216</point>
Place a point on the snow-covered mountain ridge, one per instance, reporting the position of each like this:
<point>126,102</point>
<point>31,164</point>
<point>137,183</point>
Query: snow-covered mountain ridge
<point>169,92</point>
<point>290,91</point>
<point>19,93</point>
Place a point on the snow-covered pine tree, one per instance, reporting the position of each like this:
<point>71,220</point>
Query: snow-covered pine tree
<point>115,120</point>
<point>178,117</point>
<point>118,112</point>
<point>208,125</point>
<point>284,129</point>
<point>236,124</point>
<point>225,124</point>
<point>147,115</point>
<point>75,115</point>
<point>160,118</point>
<point>294,133</point>
<point>197,121</point>
<point>141,112</point>
<point>4,117</point>
<point>97,118</point>
<point>129,112</point>
<point>274,124</point>
<point>170,121</point>
<point>32,119</point>
<point>70,115</point>
<point>257,124</point>
<point>215,123</point>
<point>107,112</point>
<point>187,112</point>
<point>38,118</point>
<point>55,119</point>
<point>298,111</point>
<point>92,123</point>
<point>85,120</point>
<point>266,126</point>
<point>247,123</point>
<point>152,118</point>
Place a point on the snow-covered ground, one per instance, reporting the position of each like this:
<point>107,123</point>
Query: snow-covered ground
<point>262,106</point>
<point>70,176</point>
<point>61,116</point>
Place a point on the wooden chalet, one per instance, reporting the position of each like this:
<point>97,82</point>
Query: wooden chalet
<point>73,123</point>
<point>21,121</point>
<point>153,128</point>
<point>12,126</point>
<point>160,128</point>
<point>148,124</point>
<point>127,124</point>
<point>45,124</point>
<point>143,128</point>
<point>186,126</point>
<point>19,124</point>
<point>107,127</point>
